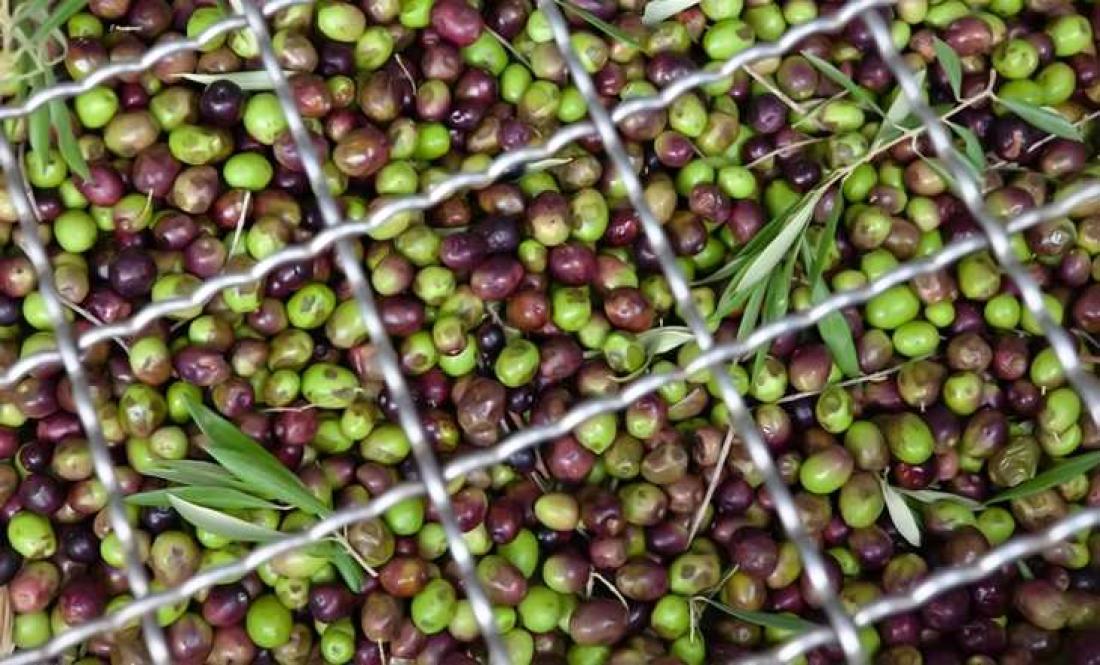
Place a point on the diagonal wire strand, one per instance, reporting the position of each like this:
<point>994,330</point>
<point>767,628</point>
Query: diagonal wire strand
<point>431,475</point>
<point>739,413</point>
<point>89,419</point>
<point>456,182</point>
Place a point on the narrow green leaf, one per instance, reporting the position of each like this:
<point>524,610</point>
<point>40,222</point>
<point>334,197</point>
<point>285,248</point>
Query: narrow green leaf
<point>858,92</point>
<point>776,303</point>
<point>1042,118</point>
<point>932,496</point>
<point>837,336</point>
<point>600,24</point>
<point>972,147</point>
<point>1025,570</point>
<point>659,10</point>
<point>896,115</point>
<point>662,340</point>
<point>66,139</point>
<point>193,472</point>
<point>209,496</point>
<point>778,299</point>
<point>951,64</point>
<point>729,269</point>
<point>250,80</point>
<point>834,328</point>
<point>57,16</point>
<point>38,132</point>
<point>751,313</point>
<point>1066,470</point>
<point>795,223</point>
<point>903,517</point>
<point>250,462</point>
<point>223,524</point>
<point>788,622</point>
<point>349,568</point>
<point>827,241</point>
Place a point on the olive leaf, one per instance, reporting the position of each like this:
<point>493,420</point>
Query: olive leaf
<point>897,116</point>
<point>223,524</point>
<point>794,222</point>
<point>1042,118</point>
<point>659,10</point>
<point>858,92</point>
<point>777,301</point>
<point>753,307</point>
<point>972,147</point>
<point>250,462</point>
<point>662,340</point>
<point>785,622</point>
<point>903,517</point>
<point>826,241</point>
<point>951,64</point>
<point>1061,472</point>
<point>194,472</point>
<point>58,15</point>
<point>67,143</point>
<point>209,496</point>
<point>656,341</point>
<point>932,496</point>
<point>254,80</point>
<point>599,24</point>
<point>833,329</point>
<point>341,559</point>
<point>38,133</point>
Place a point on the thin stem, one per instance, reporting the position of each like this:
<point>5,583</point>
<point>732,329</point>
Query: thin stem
<point>1002,164</point>
<point>772,88</point>
<point>727,443</point>
<point>342,539</point>
<point>779,151</point>
<point>877,376</point>
<point>593,575</point>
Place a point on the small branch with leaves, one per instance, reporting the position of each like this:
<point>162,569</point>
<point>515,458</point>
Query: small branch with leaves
<point>218,496</point>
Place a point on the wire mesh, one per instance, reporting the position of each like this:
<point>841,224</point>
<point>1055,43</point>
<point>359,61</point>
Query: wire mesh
<point>337,234</point>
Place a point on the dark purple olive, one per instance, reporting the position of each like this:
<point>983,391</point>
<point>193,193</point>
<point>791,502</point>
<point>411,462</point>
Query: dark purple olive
<point>41,494</point>
<point>81,600</point>
<point>225,605</point>
<point>132,273</point>
<point>456,21</point>
<point>598,621</point>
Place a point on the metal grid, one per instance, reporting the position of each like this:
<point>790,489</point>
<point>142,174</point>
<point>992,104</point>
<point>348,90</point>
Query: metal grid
<point>338,232</point>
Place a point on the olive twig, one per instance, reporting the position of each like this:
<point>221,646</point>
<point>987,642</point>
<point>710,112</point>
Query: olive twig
<point>772,88</point>
<point>874,377</point>
<point>342,539</point>
<point>727,443</point>
<point>594,576</point>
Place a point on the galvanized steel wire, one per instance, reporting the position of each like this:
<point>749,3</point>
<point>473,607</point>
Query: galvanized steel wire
<point>338,234</point>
